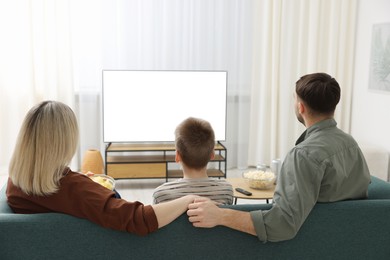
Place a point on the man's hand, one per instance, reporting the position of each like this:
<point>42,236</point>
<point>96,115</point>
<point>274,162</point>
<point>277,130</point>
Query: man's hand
<point>204,213</point>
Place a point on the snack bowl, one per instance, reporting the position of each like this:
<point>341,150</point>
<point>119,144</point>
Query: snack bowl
<point>104,180</point>
<point>259,180</point>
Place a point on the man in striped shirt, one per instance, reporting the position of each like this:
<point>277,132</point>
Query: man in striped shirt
<point>195,141</point>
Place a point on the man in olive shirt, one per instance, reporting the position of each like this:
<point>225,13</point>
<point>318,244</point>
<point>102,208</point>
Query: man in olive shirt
<point>326,165</point>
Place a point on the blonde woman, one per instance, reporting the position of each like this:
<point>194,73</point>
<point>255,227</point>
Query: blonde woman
<point>40,180</point>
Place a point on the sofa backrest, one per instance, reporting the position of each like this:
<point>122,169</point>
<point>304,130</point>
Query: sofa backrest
<point>356,229</point>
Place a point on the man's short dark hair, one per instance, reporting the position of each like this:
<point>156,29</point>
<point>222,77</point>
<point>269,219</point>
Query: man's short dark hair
<point>319,91</point>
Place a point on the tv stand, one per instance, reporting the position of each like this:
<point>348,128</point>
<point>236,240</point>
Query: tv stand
<point>154,160</point>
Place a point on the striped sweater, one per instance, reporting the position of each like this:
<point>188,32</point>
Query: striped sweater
<point>216,189</point>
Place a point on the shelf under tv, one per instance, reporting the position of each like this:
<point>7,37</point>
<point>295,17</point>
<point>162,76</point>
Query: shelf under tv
<point>154,160</point>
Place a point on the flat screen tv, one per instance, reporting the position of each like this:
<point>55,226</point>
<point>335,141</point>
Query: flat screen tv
<point>147,106</point>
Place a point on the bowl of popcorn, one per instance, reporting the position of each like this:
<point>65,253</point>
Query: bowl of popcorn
<point>104,180</point>
<point>258,179</point>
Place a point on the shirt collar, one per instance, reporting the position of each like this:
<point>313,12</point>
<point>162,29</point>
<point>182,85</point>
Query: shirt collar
<point>314,128</point>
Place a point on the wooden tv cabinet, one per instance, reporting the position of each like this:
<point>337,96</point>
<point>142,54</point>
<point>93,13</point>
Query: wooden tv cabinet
<point>153,160</point>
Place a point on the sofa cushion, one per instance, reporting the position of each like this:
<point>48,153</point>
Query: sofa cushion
<point>378,189</point>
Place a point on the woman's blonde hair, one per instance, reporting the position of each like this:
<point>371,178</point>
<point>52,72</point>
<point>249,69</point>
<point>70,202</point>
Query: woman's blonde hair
<point>46,144</point>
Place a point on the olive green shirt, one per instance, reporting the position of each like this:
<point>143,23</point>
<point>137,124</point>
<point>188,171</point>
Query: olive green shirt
<point>326,165</point>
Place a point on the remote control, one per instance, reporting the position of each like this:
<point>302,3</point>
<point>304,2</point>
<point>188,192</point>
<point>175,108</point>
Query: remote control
<point>245,192</point>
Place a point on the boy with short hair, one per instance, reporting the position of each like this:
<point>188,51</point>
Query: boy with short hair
<point>195,142</point>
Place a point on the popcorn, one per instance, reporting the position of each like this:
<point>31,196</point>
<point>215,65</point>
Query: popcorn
<point>260,180</point>
<point>104,181</point>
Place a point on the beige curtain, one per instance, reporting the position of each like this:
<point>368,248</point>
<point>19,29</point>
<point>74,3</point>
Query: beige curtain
<point>49,49</point>
<point>35,63</point>
<point>294,38</point>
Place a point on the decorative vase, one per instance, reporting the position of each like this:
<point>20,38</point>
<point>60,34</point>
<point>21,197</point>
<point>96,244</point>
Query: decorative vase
<point>92,162</point>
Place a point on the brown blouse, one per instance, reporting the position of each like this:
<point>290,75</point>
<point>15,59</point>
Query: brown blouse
<point>81,197</point>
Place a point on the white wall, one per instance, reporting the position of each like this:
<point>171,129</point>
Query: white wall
<point>370,123</point>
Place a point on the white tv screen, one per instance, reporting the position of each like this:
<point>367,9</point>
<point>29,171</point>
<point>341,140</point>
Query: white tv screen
<point>147,106</point>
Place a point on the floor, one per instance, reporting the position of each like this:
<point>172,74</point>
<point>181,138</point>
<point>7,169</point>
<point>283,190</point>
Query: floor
<point>142,189</point>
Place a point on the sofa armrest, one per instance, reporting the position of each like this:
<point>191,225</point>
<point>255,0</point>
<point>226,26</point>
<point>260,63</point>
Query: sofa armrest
<point>378,189</point>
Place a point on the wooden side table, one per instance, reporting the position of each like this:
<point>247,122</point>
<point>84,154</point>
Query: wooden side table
<point>256,194</point>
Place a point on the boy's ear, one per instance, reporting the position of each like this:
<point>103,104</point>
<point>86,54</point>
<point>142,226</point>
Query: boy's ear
<point>177,157</point>
<point>212,155</point>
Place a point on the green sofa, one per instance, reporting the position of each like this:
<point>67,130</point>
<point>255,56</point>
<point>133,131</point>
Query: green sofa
<point>355,229</point>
